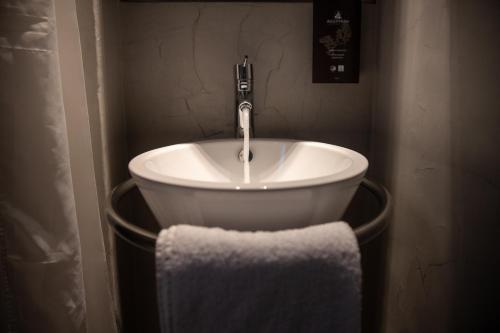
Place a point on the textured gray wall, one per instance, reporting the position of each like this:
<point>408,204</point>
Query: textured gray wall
<point>179,81</point>
<point>435,144</point>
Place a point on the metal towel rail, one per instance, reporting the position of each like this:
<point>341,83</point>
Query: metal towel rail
<point>146,240</point>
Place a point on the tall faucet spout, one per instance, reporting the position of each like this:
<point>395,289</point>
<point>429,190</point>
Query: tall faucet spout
<point>244,96</point>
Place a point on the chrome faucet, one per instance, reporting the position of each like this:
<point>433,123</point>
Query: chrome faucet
<point>244,97</point>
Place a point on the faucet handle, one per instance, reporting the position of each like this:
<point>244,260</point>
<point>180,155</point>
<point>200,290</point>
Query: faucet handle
<point>244,76</point>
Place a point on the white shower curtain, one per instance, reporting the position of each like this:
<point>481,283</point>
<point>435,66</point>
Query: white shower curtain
<point>53,274</point>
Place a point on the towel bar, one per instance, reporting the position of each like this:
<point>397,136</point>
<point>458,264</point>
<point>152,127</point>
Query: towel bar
<point>146,240</point>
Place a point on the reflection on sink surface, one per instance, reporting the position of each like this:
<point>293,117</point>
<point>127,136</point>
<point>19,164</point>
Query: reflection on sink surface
<point>288,184</point>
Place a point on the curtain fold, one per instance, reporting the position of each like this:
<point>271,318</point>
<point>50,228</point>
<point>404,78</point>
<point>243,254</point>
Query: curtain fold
<point>49,212</point>
<point>37,206</point>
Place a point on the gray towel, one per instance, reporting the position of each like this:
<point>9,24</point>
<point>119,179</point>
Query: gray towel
<point>219,281</point>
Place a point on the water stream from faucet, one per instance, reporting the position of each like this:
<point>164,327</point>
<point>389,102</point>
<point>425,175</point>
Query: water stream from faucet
<point>246,145</point>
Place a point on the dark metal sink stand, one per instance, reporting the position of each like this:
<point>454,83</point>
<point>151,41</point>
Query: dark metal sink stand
<point>135,231</point>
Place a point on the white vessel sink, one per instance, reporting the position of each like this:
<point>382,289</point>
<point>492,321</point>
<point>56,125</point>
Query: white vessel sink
<point>288,184</point>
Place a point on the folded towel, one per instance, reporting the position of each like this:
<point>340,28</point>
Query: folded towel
<point>214,280</point>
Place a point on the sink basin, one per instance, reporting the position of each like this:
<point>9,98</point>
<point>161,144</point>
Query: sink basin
<point>288,184</point>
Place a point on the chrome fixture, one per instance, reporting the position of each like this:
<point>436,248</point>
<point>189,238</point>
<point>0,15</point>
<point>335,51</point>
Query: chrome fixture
<point>244,96</point>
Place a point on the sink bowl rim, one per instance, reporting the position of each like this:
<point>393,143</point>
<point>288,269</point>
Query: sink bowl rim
<point>356,170</point>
